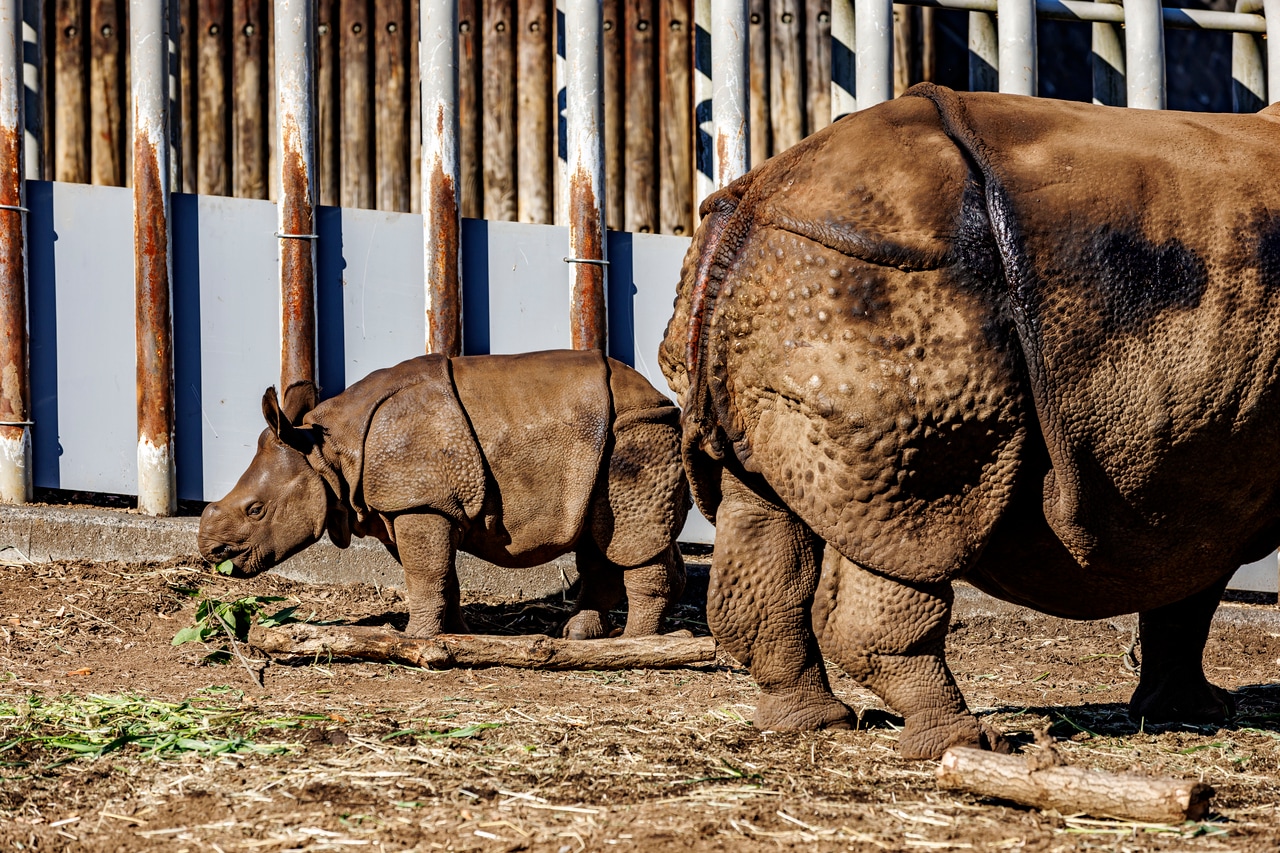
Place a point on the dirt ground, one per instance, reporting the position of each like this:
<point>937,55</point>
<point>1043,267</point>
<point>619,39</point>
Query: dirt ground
<point>113,739</point>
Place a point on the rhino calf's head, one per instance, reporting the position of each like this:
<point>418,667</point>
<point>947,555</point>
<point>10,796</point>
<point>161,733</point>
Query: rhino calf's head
<point>280,505</point>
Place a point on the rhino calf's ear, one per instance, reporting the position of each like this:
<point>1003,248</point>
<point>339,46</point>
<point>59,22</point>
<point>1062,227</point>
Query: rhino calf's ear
<point>299,439</point>
<point>298,399</point>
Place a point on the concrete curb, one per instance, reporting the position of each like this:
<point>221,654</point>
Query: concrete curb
<point>44,533</point>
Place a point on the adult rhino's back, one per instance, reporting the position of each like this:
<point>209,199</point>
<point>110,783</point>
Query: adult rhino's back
<point>1087,286</point>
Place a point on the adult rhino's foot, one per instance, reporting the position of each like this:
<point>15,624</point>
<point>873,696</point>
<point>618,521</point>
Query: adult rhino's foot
<point>927,735</point>
<point>586,625</point>
<point>1186,699</point>
<point>801,711</point>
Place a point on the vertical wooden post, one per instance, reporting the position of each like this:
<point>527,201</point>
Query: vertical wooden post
<point>905,55</point>
<point>328,103</point>
<point>213,116</point>
<point>535,190</point>
<point>355,74</point>
<point>761,44</point>
<point>640,213</point>
<point>499,67</point>
<point>470,105</point>
<point>675,116</point>
<point>615,121</point>
<point>106,86</point>
<point>415,108</point>
<point>186,12</point>
<point>71,81</point>
<point>391,99</point>
<point>817,37</point>
<point>249,114</point>
<point>786,84</point>
<point>15,394</point>
<point>157,492</point>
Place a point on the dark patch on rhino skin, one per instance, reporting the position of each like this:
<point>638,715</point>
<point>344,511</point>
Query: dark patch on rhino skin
<point>1142,280</point>
<point>953,458</point>
<point>1267,253</point>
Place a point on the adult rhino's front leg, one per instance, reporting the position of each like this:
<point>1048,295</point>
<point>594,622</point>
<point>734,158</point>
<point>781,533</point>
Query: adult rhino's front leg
<point>763,575</point>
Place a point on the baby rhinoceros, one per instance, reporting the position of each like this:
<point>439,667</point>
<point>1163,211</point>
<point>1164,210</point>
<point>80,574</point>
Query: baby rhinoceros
<point>516,459</point>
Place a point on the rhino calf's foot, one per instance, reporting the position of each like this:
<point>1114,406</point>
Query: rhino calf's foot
<point>587,625</point>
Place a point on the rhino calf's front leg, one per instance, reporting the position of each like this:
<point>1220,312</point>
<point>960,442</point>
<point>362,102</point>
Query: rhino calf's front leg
<point>425,543</point>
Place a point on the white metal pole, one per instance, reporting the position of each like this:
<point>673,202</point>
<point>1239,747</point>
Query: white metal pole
<point>731,84</point>
<point>1016,20</point>
<point>704,178</point>
<point>15,432</point>
<point>1144,54</point>
<point>844,42</point>
<point>149,74</point>
<point>1108,63</point>
<point>874,66</point>
<point>296,191</point>
<point>584,117</point>
<point>441,175</point>
<point>1248,76</point>
<point>984,53</point>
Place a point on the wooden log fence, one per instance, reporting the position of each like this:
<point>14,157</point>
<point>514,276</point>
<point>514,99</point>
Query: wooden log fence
<point>368,126</point>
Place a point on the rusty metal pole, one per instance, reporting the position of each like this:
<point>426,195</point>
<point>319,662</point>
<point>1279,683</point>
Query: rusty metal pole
<point>15,432</point>
<point>731,89</point>
<point>296,142</point>
<point>584,71</point>
<point>441,175</point>
<point>149,73</point>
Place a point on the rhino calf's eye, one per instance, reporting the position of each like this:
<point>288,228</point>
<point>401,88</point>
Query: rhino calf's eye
<point>255,510</point>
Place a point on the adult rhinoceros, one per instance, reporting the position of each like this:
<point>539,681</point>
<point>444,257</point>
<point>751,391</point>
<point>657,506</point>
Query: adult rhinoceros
<point>1027,343</point>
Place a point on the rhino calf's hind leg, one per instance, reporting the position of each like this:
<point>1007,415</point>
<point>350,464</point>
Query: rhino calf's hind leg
<point>652,590</point>
<point>425,543</point>
<point>601,591</point>
<point>763,574</point>
<point>1172,686</point>
<point>890,636</point>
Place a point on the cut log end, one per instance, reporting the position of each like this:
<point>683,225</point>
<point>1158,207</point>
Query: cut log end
<point>446,651</point>
<point>1074,790</point>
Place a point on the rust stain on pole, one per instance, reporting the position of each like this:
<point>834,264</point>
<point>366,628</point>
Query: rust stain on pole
<point>154,342</point>
<point>14,390</point>
<point>587,305</point>
<point>297,264</point>
<point>444,320</point>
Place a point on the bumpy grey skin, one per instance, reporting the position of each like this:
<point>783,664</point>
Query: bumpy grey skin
<point>1028,343</point>
<point>516,459</point>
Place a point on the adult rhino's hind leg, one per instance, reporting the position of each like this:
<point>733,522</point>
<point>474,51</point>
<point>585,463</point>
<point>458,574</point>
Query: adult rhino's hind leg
<point>1172,686</point>
<point>763,575</point>
<point>890,636</point>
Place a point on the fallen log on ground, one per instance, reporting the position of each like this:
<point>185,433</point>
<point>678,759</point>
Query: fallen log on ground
<point>1074,790</point>
<point>448,651</point>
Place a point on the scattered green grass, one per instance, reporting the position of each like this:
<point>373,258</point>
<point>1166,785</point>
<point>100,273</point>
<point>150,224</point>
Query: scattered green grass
<point>228,623</point>
<point>72,727</point>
